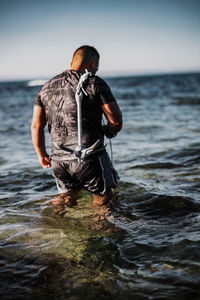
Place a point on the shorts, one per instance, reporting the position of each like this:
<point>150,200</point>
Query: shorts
<point>96,174</point>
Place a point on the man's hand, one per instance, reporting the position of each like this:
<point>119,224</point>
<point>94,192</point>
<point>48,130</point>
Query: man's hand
<point>45,161</point>
<point>114,117</point>
<point>109,131</point>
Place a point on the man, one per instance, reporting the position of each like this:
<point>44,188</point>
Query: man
<point>56,106</point>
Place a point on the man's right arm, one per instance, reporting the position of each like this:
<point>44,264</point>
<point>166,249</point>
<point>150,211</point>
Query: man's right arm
<point>114,117</point>
<point>38,136</point>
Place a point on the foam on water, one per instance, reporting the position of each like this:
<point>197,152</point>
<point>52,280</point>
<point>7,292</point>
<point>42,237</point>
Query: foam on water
<point>37,82</point>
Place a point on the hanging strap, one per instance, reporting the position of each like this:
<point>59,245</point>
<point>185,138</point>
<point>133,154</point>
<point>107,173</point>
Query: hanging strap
<point>79,97</point>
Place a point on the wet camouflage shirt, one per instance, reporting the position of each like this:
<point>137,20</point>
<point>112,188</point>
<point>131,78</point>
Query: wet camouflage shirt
<point>57,97</point>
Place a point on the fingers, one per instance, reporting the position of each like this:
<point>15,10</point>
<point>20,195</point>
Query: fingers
<point>45,162</point>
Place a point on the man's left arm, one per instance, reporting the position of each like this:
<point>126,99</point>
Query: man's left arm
<point>38,135</point>
<point>114,117</point>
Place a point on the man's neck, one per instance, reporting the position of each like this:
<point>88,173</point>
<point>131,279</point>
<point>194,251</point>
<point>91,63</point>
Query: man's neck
<point>78,67</point>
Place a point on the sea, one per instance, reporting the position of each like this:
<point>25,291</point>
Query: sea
<point>147,244</point>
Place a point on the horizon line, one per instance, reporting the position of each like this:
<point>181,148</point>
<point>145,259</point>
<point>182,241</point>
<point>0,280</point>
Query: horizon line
<point>107,74</point>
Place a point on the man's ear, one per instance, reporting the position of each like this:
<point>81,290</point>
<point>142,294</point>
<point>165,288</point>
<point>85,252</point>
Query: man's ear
<point>93,66</point>
<point>93,63</point>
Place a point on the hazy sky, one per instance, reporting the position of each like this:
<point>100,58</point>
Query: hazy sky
<point>38,38</point>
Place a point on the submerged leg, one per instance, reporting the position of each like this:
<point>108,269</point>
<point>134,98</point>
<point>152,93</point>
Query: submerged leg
<point>105,199</point>
<point>68,199</point>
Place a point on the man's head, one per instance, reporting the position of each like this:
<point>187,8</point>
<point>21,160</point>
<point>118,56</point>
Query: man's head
<point>85,57</point>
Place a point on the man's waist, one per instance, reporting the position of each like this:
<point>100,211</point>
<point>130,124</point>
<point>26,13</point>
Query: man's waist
<point>63,151</point>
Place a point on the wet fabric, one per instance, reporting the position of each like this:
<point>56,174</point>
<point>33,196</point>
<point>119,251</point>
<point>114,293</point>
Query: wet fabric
<point>96,174</point>
<point>58,99</point>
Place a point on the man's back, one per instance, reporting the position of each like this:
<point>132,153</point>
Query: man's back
<point>58,100</point>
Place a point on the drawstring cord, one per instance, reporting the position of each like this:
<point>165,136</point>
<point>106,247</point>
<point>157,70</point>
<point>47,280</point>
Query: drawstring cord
<point>110,143</point>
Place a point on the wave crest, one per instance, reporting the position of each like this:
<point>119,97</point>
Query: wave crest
<point>37,82</point>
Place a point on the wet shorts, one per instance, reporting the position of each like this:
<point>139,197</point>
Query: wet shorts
<point>96,174</point>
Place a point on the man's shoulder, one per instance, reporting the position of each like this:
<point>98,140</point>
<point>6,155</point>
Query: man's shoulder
<point>99,82</point>
<point>55,79</point>
<point>55,82</point>
<point>98,78</point>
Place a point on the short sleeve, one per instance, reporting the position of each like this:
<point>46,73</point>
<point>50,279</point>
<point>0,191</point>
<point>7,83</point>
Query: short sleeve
<point>38,100</point>
<point>103,91</point>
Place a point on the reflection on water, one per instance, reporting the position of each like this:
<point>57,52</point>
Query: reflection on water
<point>146,244</point>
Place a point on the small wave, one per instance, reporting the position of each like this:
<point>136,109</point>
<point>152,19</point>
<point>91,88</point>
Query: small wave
<point>189,100</point>
<point>186,157</point>
<point>37,82</point>
<point>156,165</point>
<point>167,205</point>
<point>135,201</point>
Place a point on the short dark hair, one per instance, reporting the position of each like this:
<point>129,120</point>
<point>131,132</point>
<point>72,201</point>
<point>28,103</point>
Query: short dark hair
<point>88,53</point>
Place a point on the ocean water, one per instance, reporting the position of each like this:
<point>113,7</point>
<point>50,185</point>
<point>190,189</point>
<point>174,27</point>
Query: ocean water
<point>147,245</point>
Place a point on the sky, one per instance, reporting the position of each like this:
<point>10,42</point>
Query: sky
<point>38,38</point>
